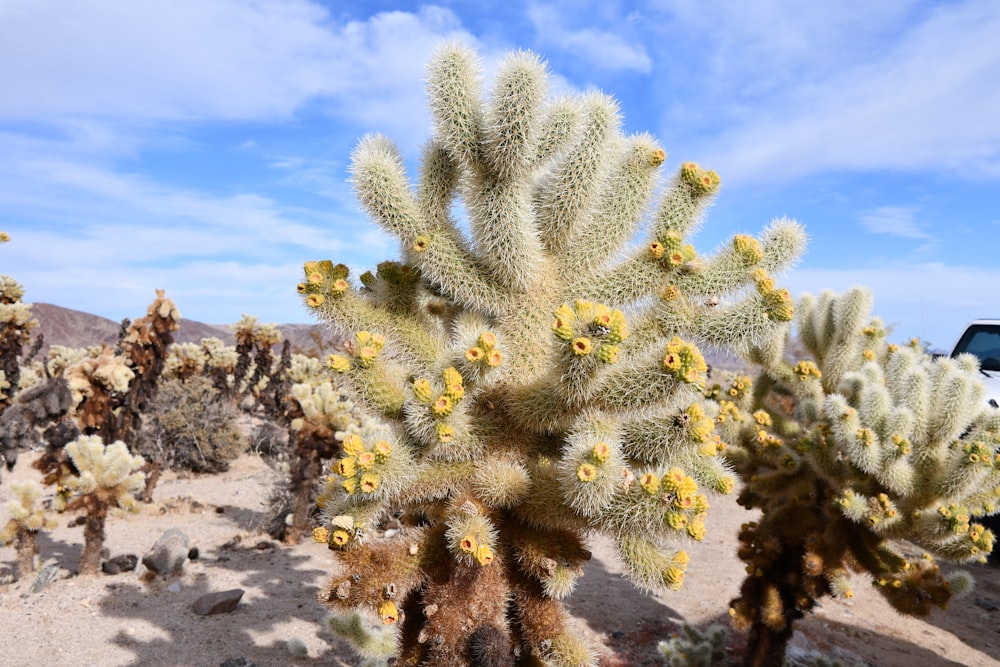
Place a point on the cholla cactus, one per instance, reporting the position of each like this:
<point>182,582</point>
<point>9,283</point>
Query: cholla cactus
<point>520,407</point>
<point>862,443</point>
<point>16,323</point>
<point>323,417</point>
<point>106,477</point>
<point>691,647</point>
<point>27,517</point>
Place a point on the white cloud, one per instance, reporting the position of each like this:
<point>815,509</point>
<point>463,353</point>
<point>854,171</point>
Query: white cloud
<point>604,49</point>
<point>929,102</point>
<point>894,221</point>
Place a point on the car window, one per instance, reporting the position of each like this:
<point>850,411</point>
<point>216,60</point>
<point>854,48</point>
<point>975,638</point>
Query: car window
<point>982,340</point>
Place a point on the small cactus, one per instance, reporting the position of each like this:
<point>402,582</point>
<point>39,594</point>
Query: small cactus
<point>860,443</point>
<point>106,477</point>
<point>28,516</point>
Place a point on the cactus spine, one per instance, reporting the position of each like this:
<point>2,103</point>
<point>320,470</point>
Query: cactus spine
<point>520,408</point>
<point>860,444</point>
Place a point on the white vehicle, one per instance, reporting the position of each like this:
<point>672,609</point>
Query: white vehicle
<point>982,338</point>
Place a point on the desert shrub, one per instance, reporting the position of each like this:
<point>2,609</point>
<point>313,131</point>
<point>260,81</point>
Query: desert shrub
<point>192,427</point>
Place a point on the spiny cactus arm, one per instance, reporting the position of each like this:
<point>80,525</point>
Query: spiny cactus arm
<point>747,259</point>
<point>570,191</point>
<point>497,199</point>
<point>658,377</point>
<point>374,378</point>
<point>327,293</point>
<point>543,624</point>
<point>649,566</point>
<point>618,209</point>
<point>558,126</point>
<point>378,576</point>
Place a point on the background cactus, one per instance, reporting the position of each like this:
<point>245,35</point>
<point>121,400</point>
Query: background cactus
<point>27,517</point>
<point>529,366</point>
<point>105,477</point>
<point>846,443</point>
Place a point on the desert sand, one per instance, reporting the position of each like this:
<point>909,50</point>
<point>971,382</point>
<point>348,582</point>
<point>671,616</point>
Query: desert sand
<point>118,620</point>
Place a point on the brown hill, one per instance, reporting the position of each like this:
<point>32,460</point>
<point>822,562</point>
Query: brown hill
<point>75,328</point>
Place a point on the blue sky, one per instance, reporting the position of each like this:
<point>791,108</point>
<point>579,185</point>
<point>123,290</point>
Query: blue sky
<point>201,146</point>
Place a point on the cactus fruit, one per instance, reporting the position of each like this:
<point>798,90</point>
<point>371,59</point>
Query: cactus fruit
<point>863,443</point>
<point>533,377</point>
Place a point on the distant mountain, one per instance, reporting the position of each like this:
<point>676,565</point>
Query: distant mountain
<point>75,328</point>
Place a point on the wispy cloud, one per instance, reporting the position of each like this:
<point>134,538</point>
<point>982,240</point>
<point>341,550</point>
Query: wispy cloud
<point>605,49</point>
<point>895,221</point>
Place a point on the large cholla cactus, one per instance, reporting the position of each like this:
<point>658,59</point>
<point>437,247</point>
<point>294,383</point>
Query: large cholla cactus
<point>106,477</point>
<point>853,445</point>
<point>16,323</point>
<point>520,410</point>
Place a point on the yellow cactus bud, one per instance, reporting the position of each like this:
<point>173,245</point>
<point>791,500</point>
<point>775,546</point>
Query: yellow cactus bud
<point>656,157</point>
<point>383,449</point>
<point>609,354</point>
<point>350,484</point>
<point>340,537</point>
<point>656,250</point>
<point>320,535</point>
<point>601,452</point>
<point>494,358</point>
<point>422,390</point>
<point>421,242</point>
<point>366,460</point>
<point>315,300</point>
<point>587,472</point>
<point>339,287</point>
<point>474,354</point>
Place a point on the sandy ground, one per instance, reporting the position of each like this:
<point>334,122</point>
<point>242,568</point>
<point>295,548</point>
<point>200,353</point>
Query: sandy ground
<point>118,620</point>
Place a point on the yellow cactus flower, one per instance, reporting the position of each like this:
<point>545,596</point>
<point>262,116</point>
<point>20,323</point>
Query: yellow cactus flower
<point>340,537</point>
<point>468,544</point>
<point>656,250</point>
<point>339,286</point>
<point>494,358</point>
<point>421,242</point>
<point>445,432</point>
<point>346,467</point>
<point>366,460</point>
<point>302,288</point>
<point>650,483</point>
<point>443,406</point>
<point>315,300</point>
<point>587,472</point>
<point>315,278</point>
<point>582,346</point>
<point>487,340</point>
<point>601,452</point>
<point>388,613</point>
<point>474,354</point>
<point>369,482</point>
<point>338,363</point>
<point>484,555</point>
<point>353,445</point>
